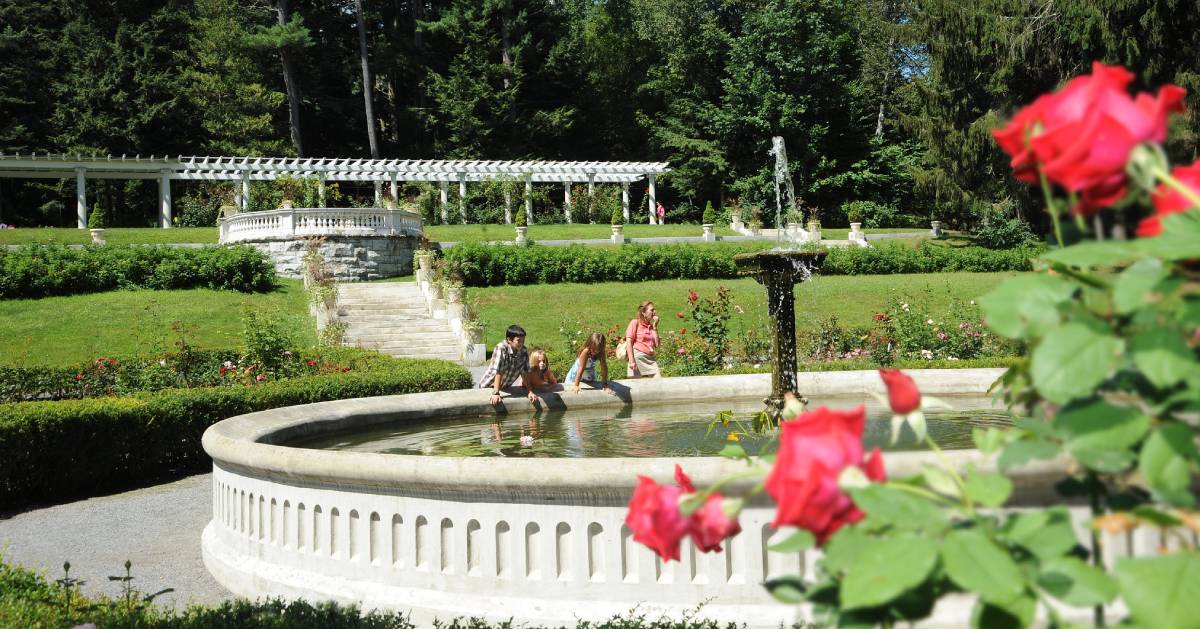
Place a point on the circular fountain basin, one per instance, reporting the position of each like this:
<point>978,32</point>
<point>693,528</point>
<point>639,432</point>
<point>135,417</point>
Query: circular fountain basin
<point>538,540</point>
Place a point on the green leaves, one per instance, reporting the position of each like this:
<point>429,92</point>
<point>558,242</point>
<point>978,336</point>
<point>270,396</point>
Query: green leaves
<point>1163,356</point>
<point>1093,254</point>
<point>1074,582</point>
<point>1100,435</point>
<point>1134,285</point>
<point>796,542</point>
<point>1161,591</point>
<point>977,564</point>
<point>1179,240</point>
<point>1028,305</point>
<point>1166,461</point>
<point>1046,534</point>
<point>886,567</point>
<point>989,490</point>
<point>894,507</point>
<point>1073,360</point>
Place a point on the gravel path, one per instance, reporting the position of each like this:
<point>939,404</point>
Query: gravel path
<point>157,528</point>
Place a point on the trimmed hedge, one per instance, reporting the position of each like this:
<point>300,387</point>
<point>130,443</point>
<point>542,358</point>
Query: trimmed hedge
<point>45,270</point>
<point>498,265</point>
<point>56,450</point>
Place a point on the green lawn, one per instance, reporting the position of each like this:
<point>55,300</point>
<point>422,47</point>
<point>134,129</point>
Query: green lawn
<point>541,309</point>
<point>115,235</point>
<point>69,330</point>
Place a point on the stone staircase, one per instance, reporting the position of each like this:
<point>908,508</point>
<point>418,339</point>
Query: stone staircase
<point>393,317</point>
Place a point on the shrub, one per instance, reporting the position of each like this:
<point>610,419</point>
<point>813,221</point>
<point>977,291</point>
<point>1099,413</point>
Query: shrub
<point>97,219</point>
<point>498,265</point>
<point>618,217</point>
<point>78,447</point>
<point>522,220</point>
<point>710,215</point>
<point>44,270</point>
<point>870,213</point>
<point>1003,232</point>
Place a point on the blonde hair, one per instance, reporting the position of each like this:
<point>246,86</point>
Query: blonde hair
<point>642,310</point>
<point>535,355</point>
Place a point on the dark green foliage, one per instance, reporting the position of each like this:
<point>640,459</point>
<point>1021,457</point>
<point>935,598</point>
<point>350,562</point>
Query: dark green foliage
<point>97,219</point>
<point>1002,232</point>
<point>78,447</point>
<point>710,215</point>
<point>496,265</point>
<point>41,271</point>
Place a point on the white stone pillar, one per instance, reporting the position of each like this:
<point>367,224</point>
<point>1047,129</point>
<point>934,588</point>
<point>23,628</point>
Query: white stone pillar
<point>592,199</point>
<point>508,218</point>
<point>164,200</point>
<point>567,199</point>
<point>529,199</point>
<point>395,190</point>
<point>652,200</point>
<point>462,196</point>
<point>321,191</point>
<point>625,201</point>
<point>81,207</point>
<point>445,198</point>
<point>245,191</point>
<point>378,194</point>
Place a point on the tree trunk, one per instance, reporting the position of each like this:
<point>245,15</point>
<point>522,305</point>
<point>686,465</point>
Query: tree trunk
<point>418,11</point>
<point>505,47</point>
<point>289,79</point>
<point>368,84</point>
<point>887,78</point>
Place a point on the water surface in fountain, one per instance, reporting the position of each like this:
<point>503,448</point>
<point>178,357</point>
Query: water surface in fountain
<point>643,431</point>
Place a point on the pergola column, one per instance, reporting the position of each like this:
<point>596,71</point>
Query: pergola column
<point>395,189</point>
<point>81,198</point>
<point>245,191</point>
<point>625,201</point>
<point>164,200</point>
<point>592,198</point>
<point>567,200</point>
<point>445,198</point>
<point>507,204</point>
<point>378,194</point>
<point>321,191</point>
<point>652,200</point>
<point>462,196</point>
<point>529,199</point>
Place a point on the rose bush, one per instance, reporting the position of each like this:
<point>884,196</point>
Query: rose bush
<point>1109,389</point>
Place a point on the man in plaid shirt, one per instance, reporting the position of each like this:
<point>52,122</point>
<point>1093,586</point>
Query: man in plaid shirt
<point>509,360</point>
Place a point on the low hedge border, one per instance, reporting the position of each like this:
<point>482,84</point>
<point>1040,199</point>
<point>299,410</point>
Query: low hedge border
<point>45,270</point>
<point>50,451</point>
<point>31,600</point>
<point>482,265</point>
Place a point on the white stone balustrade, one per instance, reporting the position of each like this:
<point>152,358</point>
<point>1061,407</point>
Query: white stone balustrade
<point>289,224</point>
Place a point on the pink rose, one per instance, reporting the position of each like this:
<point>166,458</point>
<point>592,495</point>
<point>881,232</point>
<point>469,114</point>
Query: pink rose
<point>903,395</point>
<point>709,525</point>
<point>814,448</point>
<point>655,519</point>
<point>1082,135</point>
<point>1167,200</point>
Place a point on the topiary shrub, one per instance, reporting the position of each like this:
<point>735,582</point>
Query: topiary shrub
<point>870,213</point>
<point>97,219</point>
<point>710,215</point>
<point>521,219</point>
<point>618,217</point>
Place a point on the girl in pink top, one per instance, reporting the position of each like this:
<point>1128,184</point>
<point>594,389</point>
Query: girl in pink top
<point>642,334</point>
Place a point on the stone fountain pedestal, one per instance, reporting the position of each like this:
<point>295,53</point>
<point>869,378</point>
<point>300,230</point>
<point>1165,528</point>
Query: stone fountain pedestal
<point>779,272</point>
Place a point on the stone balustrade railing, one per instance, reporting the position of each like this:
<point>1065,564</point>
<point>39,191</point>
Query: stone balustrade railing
<point>292,223</point>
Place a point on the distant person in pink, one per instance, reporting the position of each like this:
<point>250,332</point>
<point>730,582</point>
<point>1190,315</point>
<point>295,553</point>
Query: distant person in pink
<point>662,213</point>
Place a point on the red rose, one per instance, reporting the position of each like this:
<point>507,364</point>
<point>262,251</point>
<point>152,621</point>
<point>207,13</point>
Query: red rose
<point>78,376</point>
<point>692,296</point>
<point>1082,134</point>
<point>311,363</point>
<point>813,450</point>
<point>679,314</point>
<point>709,524</point>
<point>655,519</point>
<point>1167,200</point>
<point>221,371</point>
<point>903,395</point>
<point>683,331</point>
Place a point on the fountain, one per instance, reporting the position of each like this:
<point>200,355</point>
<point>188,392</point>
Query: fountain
<point>779,271</point>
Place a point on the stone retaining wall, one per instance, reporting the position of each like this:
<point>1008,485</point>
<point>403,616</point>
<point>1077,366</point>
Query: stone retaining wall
<point>348,257</point>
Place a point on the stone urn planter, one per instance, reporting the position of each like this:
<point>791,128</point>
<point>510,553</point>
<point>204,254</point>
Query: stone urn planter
<point>935,228</point>
<point>618,234</point>
<point>97,235</point>
<point>474,333</point>
<point>856,232</point>
<point>735,222</point>
<point>794,230</point>
<point>709,236</point>
<point>814,231</point>
<point>454,294</point>
<point>286,204</point>
<point>522,231</point>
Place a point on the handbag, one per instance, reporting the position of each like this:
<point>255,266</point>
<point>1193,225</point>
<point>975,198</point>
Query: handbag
<point>623,346</point>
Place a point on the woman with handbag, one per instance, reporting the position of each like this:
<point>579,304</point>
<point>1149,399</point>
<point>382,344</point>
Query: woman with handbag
<point>641,343</point>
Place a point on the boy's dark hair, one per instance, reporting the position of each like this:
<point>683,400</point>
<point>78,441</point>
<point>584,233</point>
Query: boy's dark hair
<point>514,331</point>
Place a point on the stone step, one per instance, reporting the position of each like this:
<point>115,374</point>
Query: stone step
<point>402,290</point>
<point>407,352</point>
<point>412,338</point>
<point>380,314</point>
<point>398,306</point>
<point>416,348</point>
<point>393,321</point>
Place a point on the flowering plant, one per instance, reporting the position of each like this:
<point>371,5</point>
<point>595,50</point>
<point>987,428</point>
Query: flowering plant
<point>1108,394</point>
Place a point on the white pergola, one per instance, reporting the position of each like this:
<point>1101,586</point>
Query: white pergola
<point>378,171</point>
